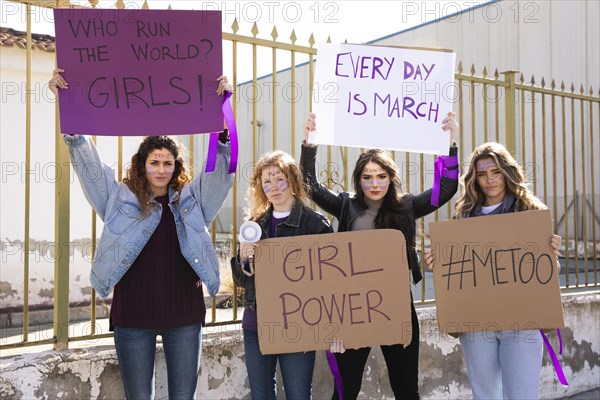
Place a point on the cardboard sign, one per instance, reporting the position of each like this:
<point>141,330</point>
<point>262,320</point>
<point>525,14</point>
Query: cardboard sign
<point>383,97</point>
<point>352,285</point>
<point>496,272</point>
<point>139,72</point>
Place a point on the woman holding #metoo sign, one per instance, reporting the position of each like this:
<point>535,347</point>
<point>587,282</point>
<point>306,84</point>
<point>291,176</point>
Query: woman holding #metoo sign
<point>501,364</point>
<point>377,204</point>
<point>155,252</point>
<point>277,203</point>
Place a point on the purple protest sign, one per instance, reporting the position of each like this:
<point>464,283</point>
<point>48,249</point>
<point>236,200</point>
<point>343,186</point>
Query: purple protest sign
<point>139,72</point>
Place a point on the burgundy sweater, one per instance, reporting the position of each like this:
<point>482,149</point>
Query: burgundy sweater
<point>160,290</point>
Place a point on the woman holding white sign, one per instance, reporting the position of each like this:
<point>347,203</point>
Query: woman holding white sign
<point>277,203</point>
<point>501,364</point>
<point>377,204</point>
<point>155,252</point>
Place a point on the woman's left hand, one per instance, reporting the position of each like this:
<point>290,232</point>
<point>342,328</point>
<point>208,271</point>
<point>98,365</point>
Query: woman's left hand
<point>429,261</point>
<point>555,242</point>
<point>224,85</point>
<point>337,346</point>
<point>57,81</point>
<point>449,124</point>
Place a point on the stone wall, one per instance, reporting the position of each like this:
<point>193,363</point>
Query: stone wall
<point>93,372</point>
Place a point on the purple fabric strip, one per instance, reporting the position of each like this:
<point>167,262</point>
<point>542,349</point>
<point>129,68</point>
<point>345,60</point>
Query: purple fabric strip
<point>230,121</point>
<point>450,161</point>
<point>335,371</point>
<point>440,169</point>
<point>560,342</point>
<point>438,166</point>
<point>213,146</point>
<point>559,371</point>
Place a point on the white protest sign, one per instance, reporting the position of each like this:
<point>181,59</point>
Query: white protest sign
<point>383,97</point>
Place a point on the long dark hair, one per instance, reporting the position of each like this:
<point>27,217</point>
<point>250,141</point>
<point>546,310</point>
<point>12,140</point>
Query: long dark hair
<point>394,211</point>
<point>136,179</point>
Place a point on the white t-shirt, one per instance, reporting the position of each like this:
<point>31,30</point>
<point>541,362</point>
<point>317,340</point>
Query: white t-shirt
<point>489,209</point>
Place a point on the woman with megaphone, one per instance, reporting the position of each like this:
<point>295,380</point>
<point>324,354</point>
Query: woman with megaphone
<point>278,207</point>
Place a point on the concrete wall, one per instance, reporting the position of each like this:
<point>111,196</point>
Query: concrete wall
<point>93,372</point>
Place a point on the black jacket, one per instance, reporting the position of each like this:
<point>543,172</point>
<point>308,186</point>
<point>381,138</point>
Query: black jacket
<point>301,221</point>
<point>345,206</point>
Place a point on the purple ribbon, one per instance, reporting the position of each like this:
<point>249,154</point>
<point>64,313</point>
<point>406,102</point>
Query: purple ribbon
<point>213,145</point>
<point>335,371</point>
<point>559,371</point>
<point>440,169</point>
<point>213,148</point>
<point>560,342</point>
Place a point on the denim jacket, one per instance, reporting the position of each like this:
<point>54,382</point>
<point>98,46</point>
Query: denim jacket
<point>126,232</point>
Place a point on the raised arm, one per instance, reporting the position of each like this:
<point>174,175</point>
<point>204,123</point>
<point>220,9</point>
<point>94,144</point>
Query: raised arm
<point>445,183</point>
<point>328,200</point>
<point>97,179</point>
<point>211,188</point>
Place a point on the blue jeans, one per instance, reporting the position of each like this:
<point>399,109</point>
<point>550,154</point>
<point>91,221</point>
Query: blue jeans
<point>503,364</point>
<point>296,370</point>
<point>136,349</point>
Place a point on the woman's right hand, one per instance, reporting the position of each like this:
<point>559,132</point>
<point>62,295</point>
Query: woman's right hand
<point>57,81</point>
<point>246,250</point>
<point>429,260</point>
<point>310,125</point>
<point>337,346</point>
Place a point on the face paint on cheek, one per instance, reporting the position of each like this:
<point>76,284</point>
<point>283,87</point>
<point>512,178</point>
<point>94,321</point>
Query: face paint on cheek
<point>150,170</point>
<point>283,186</point>
<point>266,188</point>
<point>170,170</point>
<point>366,185</point>
<point>383,184</point>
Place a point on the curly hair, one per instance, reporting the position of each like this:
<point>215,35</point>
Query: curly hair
<point>136,179</point>
<point>256,195</point>
<point>396,204</point>
<point>472,195</point>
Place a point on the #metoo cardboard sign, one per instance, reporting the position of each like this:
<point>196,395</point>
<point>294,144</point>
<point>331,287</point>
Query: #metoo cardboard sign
<point>352,285</point>
<point>383,97</point>
<point>496,272</point>
<point>139,72</point>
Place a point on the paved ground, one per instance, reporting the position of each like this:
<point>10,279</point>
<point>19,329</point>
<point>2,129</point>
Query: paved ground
<point>589,395</point>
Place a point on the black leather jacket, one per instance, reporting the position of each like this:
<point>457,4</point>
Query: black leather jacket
<point>301,221</point>
<point>345,206</point>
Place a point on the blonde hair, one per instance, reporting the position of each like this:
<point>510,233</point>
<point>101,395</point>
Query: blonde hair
<point>256,195</point>
<point>472,195</point>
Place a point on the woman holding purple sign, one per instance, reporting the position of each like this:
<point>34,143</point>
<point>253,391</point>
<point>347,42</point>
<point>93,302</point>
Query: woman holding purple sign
<point>155,252</point>
<point>377,204</point>
<point>277,204</point>
<point>501,364</point>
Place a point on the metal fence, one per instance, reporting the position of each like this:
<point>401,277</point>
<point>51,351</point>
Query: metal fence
<point>554,132</point>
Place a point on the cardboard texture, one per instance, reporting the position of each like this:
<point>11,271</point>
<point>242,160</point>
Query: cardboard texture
<point>352,285</point>
<point>496,272</point>
<point>139,72</point>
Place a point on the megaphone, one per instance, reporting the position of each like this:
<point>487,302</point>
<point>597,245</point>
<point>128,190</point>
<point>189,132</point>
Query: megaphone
<point>250,232</point>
